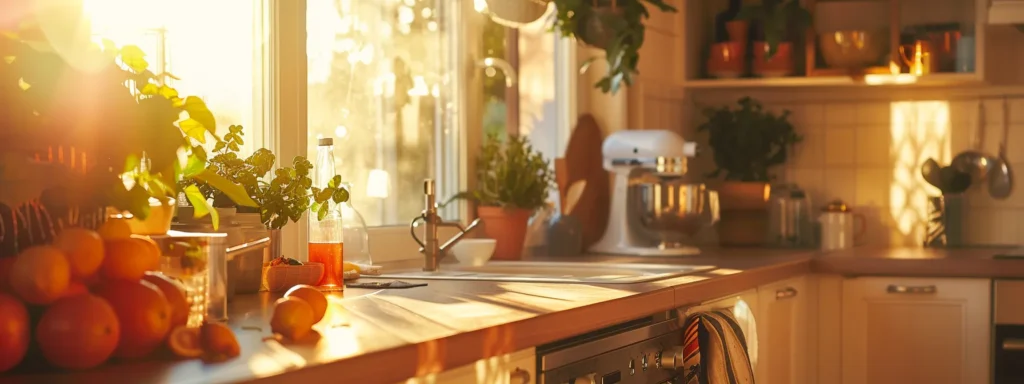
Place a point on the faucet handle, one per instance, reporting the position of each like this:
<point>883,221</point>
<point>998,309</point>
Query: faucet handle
<point>412,230</point>
<point>428,187</point>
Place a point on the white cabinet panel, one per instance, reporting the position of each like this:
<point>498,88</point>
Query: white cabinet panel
<point>916,330</point>
<point>782,323</point>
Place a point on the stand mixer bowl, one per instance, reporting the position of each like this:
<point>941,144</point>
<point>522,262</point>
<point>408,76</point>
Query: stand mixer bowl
<point>669,208</point>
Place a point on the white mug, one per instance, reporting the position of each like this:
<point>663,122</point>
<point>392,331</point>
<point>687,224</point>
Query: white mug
<point>837,230</point>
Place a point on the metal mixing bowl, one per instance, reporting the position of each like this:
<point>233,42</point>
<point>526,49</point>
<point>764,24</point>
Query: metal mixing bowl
<point>853,49</point>
<point>670,207</point>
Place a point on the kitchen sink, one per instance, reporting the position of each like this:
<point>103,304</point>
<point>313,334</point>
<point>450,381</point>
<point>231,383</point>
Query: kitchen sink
<point>552,272</point>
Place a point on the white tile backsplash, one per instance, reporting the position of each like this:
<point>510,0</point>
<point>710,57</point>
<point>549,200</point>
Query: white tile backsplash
<point>869,153</point>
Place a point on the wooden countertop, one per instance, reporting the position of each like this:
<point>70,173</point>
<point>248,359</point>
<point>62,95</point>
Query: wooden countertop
<point>385,336</point>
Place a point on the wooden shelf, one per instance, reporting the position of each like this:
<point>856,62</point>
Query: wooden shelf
<point>833,81</point>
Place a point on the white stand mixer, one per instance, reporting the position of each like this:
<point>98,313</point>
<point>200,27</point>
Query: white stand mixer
<point>625,153</point>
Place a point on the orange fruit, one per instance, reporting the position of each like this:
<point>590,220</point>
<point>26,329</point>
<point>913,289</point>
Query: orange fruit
<point>128,259</point>
<point>83,248</point>
<point>293,317</point>
<point>218,340</point>
<point>6,263</point>
<point>75,288</point>
<point>40,274</point>
<point>143,312</point>
<point>115,228</point>
<point>184,342</point>
<point>175,294</point>
<point>78,332</point>
<point>15,331</point>
<point>313,296</point>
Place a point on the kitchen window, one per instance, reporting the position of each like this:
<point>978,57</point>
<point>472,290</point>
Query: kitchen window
<point>380,77</point>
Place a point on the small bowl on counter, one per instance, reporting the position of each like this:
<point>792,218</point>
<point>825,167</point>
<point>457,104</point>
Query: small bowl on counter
<point>474,252</point>
<point>278,278</point>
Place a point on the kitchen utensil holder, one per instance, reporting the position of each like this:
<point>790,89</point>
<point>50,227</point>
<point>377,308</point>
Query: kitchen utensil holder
<point>946,215</point>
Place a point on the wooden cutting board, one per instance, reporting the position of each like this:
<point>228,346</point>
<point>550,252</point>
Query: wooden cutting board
<point>583,161</point>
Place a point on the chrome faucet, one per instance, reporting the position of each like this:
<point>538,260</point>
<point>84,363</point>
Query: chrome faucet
<point>432,252</point>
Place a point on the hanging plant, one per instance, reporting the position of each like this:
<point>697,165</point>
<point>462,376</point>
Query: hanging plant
<point>613,25</point>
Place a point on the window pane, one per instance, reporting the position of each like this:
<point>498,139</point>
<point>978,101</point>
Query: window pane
<point>221,67</point>
<point>377,85</point>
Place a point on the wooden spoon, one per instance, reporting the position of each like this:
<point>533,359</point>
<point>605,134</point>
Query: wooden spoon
<point>573,196</point>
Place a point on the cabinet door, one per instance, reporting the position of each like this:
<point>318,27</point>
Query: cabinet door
<point>782,332</point>
<point>515,368</point>
<point>916,330</point>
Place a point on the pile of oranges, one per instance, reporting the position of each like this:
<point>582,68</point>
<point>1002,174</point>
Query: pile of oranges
<point>99,297</point>
<point>296,313</point>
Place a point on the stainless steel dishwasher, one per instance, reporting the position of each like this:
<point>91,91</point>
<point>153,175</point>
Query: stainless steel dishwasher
<point>642,351</point>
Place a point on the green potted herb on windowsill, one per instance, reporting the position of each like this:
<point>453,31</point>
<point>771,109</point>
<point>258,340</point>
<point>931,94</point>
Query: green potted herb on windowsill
<point>285,197</point>
<point>512,183</point>
<point>747,142</point>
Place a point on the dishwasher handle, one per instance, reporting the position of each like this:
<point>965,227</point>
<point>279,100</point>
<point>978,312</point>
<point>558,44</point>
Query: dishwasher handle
<point>1013,345</point>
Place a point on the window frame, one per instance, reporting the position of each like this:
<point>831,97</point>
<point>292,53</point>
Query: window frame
<point>283,103</point>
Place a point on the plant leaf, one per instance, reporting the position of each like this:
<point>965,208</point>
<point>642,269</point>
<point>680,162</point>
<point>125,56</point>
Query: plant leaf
<point>233,191</point>
<point>198,111</point>
<point>194,129</point>
<point>201,207</point>
<point>322,213</point>
<point>134,58</point>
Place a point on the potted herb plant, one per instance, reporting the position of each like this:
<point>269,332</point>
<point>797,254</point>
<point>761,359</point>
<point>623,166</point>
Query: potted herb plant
<point>512,182</point>
<point>278,200</point>
<point>747,142</point>
<point>616,26</point>
<point>777,21</point>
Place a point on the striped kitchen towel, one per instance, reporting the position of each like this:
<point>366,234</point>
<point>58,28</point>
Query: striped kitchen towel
<point>715,351</point>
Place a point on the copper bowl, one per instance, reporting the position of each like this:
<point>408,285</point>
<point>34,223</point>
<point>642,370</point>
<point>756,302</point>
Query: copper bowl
<point>853,49</point>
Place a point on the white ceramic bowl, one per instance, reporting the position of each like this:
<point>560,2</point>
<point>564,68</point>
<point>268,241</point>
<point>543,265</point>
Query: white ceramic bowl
<point>474,252</point>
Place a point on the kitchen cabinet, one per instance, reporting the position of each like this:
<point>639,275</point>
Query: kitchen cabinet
<point>782,331</point>
<point>915,330</point>
<point>515,368</point>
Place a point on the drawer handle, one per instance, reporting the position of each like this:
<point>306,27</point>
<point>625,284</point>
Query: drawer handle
<point>785,293</point>
<point>1013,345</point>
<point>919,290</point>
<point>519,376</point>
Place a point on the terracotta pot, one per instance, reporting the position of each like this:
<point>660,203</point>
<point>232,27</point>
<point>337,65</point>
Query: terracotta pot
<point>744,213</point>
<point>779,65</point>
<point>158,222</point>
<point>726,60</point>
<point>738,31</point>
<point>507,227</point>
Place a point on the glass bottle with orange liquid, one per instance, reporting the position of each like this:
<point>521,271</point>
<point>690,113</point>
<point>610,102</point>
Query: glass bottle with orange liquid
<point>327,236</point>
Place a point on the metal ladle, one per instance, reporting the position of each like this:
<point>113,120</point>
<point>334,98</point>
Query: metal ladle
<point>1000,182</point>
<point>974,162</point>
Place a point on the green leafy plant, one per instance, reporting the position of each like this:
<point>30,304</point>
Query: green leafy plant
<point>510,174</point>
<point>776,17</point>
<point>285,197</point>
<point>748,140</point>
<point>613,25</point>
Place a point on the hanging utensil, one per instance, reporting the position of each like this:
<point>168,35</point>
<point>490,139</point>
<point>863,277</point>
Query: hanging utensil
<point>930,172</point>
<point>1000,182</point>
<point>973,161</point>
<point>954,181</point>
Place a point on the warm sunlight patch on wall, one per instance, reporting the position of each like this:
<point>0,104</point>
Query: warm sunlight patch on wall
<point>919,130</point>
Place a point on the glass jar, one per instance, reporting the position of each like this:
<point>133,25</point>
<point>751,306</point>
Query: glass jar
<point>357,239</point>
